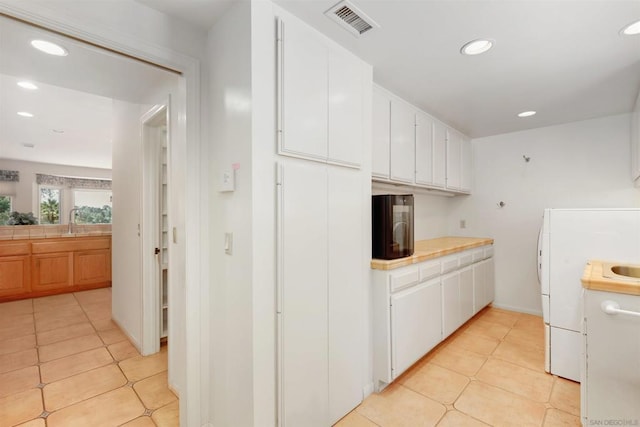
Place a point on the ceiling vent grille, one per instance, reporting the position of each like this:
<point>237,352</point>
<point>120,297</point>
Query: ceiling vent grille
<point>349,17</point>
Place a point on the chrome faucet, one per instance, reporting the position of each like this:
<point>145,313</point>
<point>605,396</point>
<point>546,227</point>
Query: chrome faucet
<point>71,219</point>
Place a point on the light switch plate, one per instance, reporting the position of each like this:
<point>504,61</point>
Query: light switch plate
<point>227,181</point>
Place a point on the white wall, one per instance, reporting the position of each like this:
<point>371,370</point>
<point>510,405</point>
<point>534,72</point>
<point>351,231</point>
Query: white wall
<point>229,50</point>
<point>26,198</point>
<point>430,216</point>
<point>582,164</point>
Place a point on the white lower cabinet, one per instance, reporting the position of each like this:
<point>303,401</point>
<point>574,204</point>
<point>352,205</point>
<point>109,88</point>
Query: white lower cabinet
<point>415,324</point>
<point>320,331</point>
<point>417,306</point>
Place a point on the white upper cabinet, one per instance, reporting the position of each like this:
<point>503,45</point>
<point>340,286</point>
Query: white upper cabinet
<point>635,143</point>
<point>303,92</point>
<point>320,97</point>
<point>381,134</point>
<point>345,108</point>
<point>439,154</point>
<point>454,157</point>
<point>424,149</point>
<point>402,141</point>
<point>465,170</point>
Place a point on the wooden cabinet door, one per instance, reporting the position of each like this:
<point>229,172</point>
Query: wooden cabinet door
<point>381,134</point>
<point>15,277</point>
<point>402,142</point>
<point>91,267</point>
<point>51,271</point>
<point>303,91</point>
<point>424,149</point>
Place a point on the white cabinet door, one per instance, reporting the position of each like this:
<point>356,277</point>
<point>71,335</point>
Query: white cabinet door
<point>439,154</point>
<point>303,92</point>
<point>302,295</point>
<point>490,285</point>
<point>466,294</point>
<point>346,266</point>
<point>454,148</point>
<point>465,172</point>
<point>415,324</point>
<point>381,134</point>
<point>424,149</point>
<point>402,141</point>
<point>345,109</point>
<point>479,286</point>
<point>450,303</point>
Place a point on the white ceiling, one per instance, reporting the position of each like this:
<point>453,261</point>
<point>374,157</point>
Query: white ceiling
<point>563,58</point>
<point>75,96</point>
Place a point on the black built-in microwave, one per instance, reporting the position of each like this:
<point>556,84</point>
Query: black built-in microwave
<point>392,226</point>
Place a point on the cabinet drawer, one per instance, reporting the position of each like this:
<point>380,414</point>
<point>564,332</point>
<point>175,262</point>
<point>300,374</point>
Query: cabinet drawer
<point>465,258</point>
<point>488,252</point>
<point>449,263</point>
<point>14,249</point>
<point>429,270</point>
<point>402,280</point>
<point>477,255</point>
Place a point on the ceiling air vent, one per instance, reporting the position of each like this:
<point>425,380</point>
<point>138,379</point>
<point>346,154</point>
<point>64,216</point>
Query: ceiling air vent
<point>351,18</point>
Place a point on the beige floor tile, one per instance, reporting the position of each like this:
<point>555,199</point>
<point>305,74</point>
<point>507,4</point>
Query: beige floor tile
<point>99,314</point>
<point>529,322</point>
<point>62,334</point>
<point>167,416</point>
<point>83,386</point>
<point>525,382</point>
<point>38,422</point>
<point>20,359</point>
<point>566,396</point>
<point>13,308</point>
<point>12,345</point>
<point>112,336</point>
<point>53,302</point>
<point>68,347</point>
<point>526,337</point>
<point>139,367</point>
<point>154,391</point>
<point>74,364</point>
<point>462,361</point>
<point>60,321</point>
<point>19,380</point>
<point>502,317</point>
<point>104,324</point>
<point>458,419</point>
<point>57,313</point>
<point>398,406</point>
<point>523,355</point>
<point>497,407</point>
<point>101,295</point>
<point>487,329</point>
<point>123,350</point>
<point>20,407</point>
<point>476,343</point>
<point>106,410</point>
<point>558,418</point>
<point>21,325</point>
<point>437,383</point>
<point>354,419</point>
<point>140,422</point>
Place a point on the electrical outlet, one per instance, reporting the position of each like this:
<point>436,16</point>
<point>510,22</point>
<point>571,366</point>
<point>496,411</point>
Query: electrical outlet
<point>463,223</point>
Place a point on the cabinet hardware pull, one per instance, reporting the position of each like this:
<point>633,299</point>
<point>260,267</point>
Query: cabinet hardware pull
<point>612,307</point>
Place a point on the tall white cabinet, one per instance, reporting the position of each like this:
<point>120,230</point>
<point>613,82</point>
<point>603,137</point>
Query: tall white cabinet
<point>321,189</point>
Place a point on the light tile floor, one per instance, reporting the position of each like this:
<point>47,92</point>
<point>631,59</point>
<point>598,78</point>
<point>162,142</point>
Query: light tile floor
<point>488,373</point>
<point>64,363</point>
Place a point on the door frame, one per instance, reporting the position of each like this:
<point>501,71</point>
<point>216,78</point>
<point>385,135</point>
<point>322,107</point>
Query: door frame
<point>187,370</point>
<point>150,224</point>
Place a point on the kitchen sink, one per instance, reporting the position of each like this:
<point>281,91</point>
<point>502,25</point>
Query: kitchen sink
<point>627,270</point>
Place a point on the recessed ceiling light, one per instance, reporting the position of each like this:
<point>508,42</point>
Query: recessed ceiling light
<point>476,47</point>
<point>24,114</point>
<point>27,85</point>
<point>50,48</point>
<point>632,29</point>
<point>527,114</point>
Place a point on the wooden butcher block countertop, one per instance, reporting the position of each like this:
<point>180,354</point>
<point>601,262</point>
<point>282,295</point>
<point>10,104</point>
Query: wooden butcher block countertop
<point>598,276</point>
<point>432,248</point>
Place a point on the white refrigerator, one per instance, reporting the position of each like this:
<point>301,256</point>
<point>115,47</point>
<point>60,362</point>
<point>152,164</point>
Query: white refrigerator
<point>568,239</point>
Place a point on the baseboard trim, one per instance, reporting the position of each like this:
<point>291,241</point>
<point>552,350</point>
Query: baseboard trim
<point>518,309</point>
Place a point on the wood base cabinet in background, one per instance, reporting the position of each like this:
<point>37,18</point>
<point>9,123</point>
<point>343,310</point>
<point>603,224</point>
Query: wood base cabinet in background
<point>52,271</point>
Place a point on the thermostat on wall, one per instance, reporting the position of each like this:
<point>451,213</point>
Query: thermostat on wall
<point>227,181</point>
